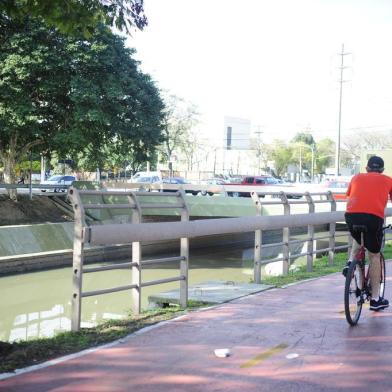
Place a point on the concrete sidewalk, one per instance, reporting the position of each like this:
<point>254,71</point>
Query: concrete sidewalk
<point>292,339</point>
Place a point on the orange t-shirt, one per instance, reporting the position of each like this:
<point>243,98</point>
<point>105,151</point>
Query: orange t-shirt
<point>368,193</point>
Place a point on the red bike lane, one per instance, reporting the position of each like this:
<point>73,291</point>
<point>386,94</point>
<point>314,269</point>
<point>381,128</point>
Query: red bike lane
<point>290,339</point>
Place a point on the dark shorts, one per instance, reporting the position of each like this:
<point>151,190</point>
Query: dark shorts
<point>374,224</point>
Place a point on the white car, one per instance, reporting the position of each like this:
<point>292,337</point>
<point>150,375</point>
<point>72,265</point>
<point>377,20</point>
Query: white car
<point>58,180</point>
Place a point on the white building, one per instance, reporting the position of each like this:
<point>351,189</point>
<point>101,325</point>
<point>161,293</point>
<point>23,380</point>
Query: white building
<point>237,155</point>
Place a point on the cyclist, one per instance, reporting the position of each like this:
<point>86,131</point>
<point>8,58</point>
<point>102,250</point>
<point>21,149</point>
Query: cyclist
<point>367,199</point>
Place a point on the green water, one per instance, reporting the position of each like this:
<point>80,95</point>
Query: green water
<point>38,304</point>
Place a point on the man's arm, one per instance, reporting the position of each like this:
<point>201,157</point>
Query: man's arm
<point>349,189</point>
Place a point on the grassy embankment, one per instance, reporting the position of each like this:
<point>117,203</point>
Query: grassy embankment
<point>20,354</point>
<point>320,268</point>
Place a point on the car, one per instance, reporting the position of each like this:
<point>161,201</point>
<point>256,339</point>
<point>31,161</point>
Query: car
<point>176,181</point>
<point>213,181</point>
<point>147,177</point>
<point>338,186</point>
<point>58,180</point>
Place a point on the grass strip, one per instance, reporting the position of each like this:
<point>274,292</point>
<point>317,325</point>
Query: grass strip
<point>320,268</point>
<point>20,354</point>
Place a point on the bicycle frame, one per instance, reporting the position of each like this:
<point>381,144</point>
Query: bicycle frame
<point>360,257</point>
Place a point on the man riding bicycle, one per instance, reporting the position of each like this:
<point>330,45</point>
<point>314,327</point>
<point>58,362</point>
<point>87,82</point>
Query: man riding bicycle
<point>368,197</point>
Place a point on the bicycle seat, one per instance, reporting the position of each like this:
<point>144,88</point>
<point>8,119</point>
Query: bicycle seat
<point>360,228</point>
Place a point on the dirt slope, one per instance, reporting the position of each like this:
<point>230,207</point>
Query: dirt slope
<point>25,211</point>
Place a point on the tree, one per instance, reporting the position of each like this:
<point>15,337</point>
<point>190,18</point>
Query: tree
<point>325,155</point>
<point>71,96</point>
<point>282,155</point>
<point>352,145</point>
<point>179,118</point>
<point>304,148</point>
<point>303,137</point>
<point>79,16</point>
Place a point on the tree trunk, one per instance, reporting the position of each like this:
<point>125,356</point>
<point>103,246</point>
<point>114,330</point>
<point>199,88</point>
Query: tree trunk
<point>9,174</point>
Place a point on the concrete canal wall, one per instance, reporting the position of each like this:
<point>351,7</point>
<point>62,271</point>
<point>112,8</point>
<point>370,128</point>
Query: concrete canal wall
<point>32,247</point>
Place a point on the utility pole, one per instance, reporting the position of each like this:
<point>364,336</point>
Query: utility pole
<point>312,168</point>
<point>258,133</point>
<point>300,163</point>
<point>337,155</point>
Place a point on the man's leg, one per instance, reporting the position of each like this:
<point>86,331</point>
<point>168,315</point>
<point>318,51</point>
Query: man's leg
<point>354,249</point>
<point>376,302</point>
<point>375,273</point>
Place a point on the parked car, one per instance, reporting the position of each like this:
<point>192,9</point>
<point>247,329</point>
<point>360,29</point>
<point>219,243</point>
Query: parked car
<point>176,181</point>
<point>58,180</point>
<point>150,177</point>
<point>338,186</point>
<point>145,179</point>
<point>211,181</point>
<point>264,180</point>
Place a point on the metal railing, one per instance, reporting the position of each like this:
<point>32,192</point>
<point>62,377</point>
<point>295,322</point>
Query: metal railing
<point>309,199</point>
<point>33,186</point>
<point>113,200</point>
<point>135,232</point>
<point>225,189</point>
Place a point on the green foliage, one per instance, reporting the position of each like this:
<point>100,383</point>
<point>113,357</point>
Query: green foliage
<point>25,166</point>
<point>325,155</point>
<point>320,268</point>
<point>71,96</point>
<point>79,16</point>
<point>282,155</point>
<point>303,137</point>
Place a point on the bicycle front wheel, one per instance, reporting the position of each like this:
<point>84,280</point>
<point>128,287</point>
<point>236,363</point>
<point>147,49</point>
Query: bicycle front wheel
<point>353,293</point>
<point>382,278</point>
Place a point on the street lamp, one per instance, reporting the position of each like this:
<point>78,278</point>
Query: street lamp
<point>312,148</point>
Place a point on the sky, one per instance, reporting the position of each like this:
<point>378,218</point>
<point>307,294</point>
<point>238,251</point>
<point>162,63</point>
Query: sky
<point>274,62</point>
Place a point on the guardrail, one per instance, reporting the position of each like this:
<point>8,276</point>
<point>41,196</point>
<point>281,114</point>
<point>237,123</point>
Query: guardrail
<point>114,200</point>
<point>226,190</point>
<point>33,186</point>
<point>135,232</point>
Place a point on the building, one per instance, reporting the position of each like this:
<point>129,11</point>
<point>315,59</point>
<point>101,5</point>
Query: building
<point>237,154</point>
<point>385,154</point>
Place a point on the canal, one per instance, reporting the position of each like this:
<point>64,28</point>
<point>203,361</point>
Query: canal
<point>38,304</point>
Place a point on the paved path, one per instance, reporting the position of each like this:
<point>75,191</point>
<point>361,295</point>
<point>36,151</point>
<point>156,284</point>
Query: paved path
<point>262,331</point>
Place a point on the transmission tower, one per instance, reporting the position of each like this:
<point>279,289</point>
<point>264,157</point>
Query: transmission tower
<point>341,81</point>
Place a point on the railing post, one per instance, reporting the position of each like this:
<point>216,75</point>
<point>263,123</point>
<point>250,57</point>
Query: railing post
<point>286,235</point>
<point>310,255</point>
<point>258,242</point>
<point>136,292</point>
<point>184,264</point>
<point>332,231</point>
<point>77,260</point>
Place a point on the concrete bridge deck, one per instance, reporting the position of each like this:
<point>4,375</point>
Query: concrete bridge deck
<point>291,339</point>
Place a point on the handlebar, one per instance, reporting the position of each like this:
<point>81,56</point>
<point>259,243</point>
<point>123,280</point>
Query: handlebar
<point>387,227</point>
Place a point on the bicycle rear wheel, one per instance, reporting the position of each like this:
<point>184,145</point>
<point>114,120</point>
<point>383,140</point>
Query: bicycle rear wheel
<point>382,278</point>
<point>353,293</point>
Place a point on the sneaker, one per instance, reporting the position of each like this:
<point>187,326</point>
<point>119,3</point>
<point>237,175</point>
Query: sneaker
<point>345,269</point>
<point>382,303</point>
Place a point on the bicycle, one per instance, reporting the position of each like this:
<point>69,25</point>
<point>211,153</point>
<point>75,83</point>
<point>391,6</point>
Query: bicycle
<point>357,288</point>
